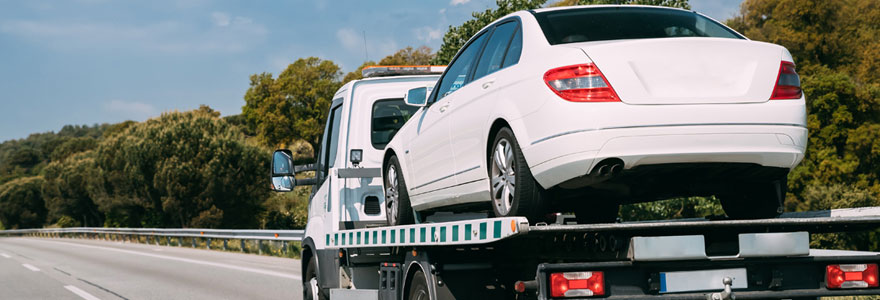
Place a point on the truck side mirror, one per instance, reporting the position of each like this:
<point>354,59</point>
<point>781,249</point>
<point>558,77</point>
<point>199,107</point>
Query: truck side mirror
<point>416,97</point>
<point>283,179</point>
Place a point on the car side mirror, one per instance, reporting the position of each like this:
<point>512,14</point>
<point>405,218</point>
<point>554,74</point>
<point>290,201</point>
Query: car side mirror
<point>416,97</point>
<point>283,179</point>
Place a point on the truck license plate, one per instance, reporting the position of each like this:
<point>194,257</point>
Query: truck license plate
<point>706,280</point>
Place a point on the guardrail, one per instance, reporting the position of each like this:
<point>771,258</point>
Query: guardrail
<point>154,235</point>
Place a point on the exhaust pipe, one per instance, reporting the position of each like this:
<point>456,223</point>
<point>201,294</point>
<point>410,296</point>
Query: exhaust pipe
<point>616,168</point>
<point>607,168</point>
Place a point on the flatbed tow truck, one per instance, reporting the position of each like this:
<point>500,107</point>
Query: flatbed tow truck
<point>349,252</point>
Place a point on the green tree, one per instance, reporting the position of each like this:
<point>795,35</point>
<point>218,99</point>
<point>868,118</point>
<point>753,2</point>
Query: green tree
<point>72,146</point>
<point>671,3</point>
<point>294,105</point>
<point>21,203</point>
<point>457,36</point>
<point>189,169</point>
<point>66,190</point>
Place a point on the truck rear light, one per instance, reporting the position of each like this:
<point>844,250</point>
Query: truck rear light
<point>577,284</point>
<point>852,276</point>
<point>788,83</point>
<point>580,83</point>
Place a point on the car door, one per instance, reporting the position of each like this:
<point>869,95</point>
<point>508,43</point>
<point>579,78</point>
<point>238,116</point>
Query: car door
<point>471,113</point>
<point>430,152</point>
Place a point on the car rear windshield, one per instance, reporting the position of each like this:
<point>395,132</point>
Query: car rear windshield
<point>617,23</point>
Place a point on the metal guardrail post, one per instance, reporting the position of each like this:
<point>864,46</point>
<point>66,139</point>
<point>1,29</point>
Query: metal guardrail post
<point>208,244</point>
<point>284,247</point>
<point>179,242</point>
<point>224,244</point>
<point>241,245</point>
<point>193,242</point>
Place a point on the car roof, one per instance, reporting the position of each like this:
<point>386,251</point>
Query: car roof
<point>540,10</point>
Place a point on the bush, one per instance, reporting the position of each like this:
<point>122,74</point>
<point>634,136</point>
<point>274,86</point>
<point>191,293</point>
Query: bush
<point>67,221</point>
<point>688,207</point>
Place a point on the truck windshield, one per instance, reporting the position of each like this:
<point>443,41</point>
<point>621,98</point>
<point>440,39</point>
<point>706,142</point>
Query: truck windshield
<point>388,116</point>
<point>616,23</point>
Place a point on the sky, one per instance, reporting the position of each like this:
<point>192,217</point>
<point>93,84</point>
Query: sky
<point>106,61</point>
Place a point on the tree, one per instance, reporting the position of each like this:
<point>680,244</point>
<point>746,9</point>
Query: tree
<point>457,36</point>
<point>830,42</point>
<point>66,190</point>
<point>21,203</point>
<point>294,105</point>
<point>683,4</point>
<point>189,169</point>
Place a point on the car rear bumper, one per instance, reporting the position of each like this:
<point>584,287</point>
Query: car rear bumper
<point>573,154</point>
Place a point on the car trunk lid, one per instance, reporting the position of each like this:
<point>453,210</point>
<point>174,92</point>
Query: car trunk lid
<point>687,70</point>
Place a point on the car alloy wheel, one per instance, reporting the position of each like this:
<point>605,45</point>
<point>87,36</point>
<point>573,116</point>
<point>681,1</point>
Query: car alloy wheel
<point>392,196</point>
<point>503,176</point>
<point>398,211</point>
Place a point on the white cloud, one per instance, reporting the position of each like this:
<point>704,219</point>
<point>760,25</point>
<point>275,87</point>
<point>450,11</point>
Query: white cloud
<point>230,35</point>
<point>427,34</point>
<point>350,40</point>
<point>130,109</point>
<point>458,2</point>
<point>220,19</point>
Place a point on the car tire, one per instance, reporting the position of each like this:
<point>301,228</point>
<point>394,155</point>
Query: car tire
<point>508,170</point>
<point>594,211</point>
<point>754,200</point>
<point>398,210</point>
<point>418,287</point>
<point>311,288</point>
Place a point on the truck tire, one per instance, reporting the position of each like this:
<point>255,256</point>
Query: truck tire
<point>311,288</point>
<point>418,287</point>
<point>513,188</point>
<point>754,200</point>
<point>398,210</point>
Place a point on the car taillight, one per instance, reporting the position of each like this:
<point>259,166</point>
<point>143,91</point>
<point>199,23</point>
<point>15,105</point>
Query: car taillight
<point>580,83</point>
<point>577,284</point>
<point>851,276</point>
<point>788,83</point>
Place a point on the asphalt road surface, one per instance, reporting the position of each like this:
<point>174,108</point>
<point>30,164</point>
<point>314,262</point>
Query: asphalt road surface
<point>43,268</point>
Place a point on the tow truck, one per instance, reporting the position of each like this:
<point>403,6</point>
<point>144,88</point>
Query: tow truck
<point>350,253</point>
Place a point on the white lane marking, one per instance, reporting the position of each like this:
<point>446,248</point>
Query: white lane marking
<point>5,255</point>
<point>80,292</point>
<point>192,261</point>
<point>30,267</point>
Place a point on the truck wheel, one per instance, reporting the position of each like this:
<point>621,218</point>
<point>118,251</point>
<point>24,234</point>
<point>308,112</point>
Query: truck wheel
<point>311,289</point>
<point>514,191</point>
<point>398,210</point>
<point>755,200</point>
<point>418,287</point>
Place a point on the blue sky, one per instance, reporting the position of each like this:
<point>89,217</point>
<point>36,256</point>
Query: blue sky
<point>106,61</point>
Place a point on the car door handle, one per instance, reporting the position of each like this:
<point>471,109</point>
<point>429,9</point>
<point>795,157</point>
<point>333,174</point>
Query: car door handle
<point>444,107</point>
<point>488,83</point>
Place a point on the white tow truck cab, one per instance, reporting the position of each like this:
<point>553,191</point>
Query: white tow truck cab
<point>349,253</point>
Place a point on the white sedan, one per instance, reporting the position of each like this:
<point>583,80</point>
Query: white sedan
<point>586,108</point>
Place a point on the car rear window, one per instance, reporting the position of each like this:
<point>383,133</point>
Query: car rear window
<point>388,116</point>
<point>616,23</point>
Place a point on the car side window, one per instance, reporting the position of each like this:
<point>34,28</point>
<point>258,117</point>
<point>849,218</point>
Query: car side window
<point>514,50</point>
<point>457,72</point>
<point>496,47</point>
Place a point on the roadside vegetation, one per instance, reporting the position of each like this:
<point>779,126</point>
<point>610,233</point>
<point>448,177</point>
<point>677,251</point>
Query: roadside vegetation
<point>198,169</point>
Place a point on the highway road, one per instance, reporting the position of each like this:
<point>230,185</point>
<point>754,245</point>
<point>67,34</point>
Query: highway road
<point>43,268</point>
